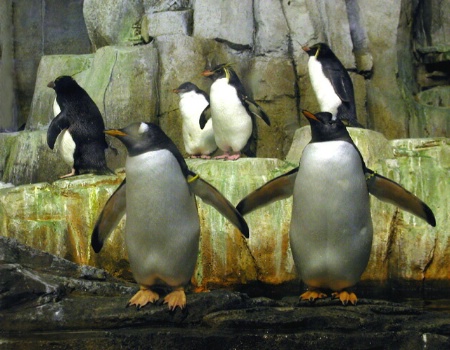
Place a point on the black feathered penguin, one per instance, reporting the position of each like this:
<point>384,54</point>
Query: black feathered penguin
<point>77,129</point>
<point>331,227</point>
<point>162,229</point>
<point>234,123</point>
<point>331,83</point>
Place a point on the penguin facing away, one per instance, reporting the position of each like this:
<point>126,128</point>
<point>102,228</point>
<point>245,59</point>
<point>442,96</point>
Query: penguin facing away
<point>198,142</point>
<point>232,113</point>
<point>331,83</point>
<point>162,225</point>
<point>77,129</point>
<point>331,226</point>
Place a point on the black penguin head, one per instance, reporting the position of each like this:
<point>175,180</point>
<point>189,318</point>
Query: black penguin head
<point>139,138</point>
<point>223,70</point>
<point>63,84</point>
<point>324,128</point>
<point>319,50</point>
<point>185,87</point>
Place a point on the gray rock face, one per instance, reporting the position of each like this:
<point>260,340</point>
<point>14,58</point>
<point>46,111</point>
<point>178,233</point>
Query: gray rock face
<point>47,301</point>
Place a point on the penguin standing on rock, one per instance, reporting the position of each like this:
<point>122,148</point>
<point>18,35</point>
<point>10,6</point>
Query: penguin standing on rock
<point>331,226</point>
<point>234,123</point>
<point>331,83</point>
<point>198,143</point>
<point>162,226</point>
<point>77,129</point>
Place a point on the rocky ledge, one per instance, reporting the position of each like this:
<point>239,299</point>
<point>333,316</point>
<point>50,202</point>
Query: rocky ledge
<point>49,302</point>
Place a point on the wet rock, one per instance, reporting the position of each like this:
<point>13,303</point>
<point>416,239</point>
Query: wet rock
<point>170,22</point>
<point>54,305</point>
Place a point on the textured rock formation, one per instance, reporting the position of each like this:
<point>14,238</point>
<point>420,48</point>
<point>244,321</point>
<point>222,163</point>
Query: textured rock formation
<point>49,302</point>
<point>407,252</point>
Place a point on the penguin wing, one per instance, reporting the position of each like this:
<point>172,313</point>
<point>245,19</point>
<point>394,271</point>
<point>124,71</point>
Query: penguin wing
<point>204,117</point>
<point>337,79</point>
<point>58,124</point>
<point>389,191</point>
<point>112,213</point>
<point>279,188</point>
<point>210,195</point>
<point>256,109</point>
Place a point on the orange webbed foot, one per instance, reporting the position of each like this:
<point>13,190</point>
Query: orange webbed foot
<point>175,299</point>
<point>143,297</point>
<point>345,297</point>
<point>312,295</point>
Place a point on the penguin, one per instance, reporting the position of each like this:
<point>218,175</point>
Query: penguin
<point>331,227</point>
<point>234,123</point>
<point>331,83</point>
<point>162,225</point>
<point>77,129</point>
<point>198,143</point>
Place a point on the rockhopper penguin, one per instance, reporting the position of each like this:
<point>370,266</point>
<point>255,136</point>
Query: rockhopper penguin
<point>331,226</point>
<point>198,143</point>
<point>162,226</point>
<point>233,119</point>
<point>331,83</point>
<point>77,129</point>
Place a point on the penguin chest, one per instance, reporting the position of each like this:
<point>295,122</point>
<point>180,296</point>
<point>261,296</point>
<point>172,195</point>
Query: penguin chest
<point>65,146</point>
<point>331,227</point>
<point>231,122</point>
<point>196,140</point>
<point>328,100</point>
<point>162,227</point>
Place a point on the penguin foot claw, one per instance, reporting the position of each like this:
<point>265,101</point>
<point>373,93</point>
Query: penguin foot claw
<point>175,299</point>
<point>312,295</point>
<point>142,298</point>
<point>345,297</point>
<point>68,175</point>
<point>227,156</point>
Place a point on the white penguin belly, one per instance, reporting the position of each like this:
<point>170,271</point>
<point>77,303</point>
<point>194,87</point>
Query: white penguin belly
<point>65,146</point>
<point>231,123</point>
<point>328,100</point>
<point>196,140</point>
<point>331,227</point>
<point>162,226</point>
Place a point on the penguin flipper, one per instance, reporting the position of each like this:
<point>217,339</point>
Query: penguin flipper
<point>391,192</point>
<point>279,188</point>
<point>210,195</point>
<point>204,117</point>
<point>58,124</point>
<point>112,213</point>
<point>259,111</point>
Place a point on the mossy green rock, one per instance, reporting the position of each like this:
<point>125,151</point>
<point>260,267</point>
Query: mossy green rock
<point>59,217</point>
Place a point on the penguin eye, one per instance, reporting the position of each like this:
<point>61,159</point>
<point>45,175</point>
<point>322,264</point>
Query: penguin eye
<point>143,128</point>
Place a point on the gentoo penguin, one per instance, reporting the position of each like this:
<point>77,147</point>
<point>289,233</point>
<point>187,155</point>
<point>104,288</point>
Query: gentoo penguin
<point>331,226</point>
<point>198,143</point>
<point>234,124</point>
<point>331,83</point>
<point>162,225</point>
<point>77,129</point>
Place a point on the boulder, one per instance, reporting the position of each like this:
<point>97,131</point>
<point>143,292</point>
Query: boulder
<point>111,22</point>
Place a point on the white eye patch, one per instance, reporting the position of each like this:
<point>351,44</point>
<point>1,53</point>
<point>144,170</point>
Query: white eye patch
<point>143,128</point>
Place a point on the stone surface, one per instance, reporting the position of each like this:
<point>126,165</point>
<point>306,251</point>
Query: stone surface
<point>111,22</point>
<point>170,22</point>
<point>230,20</point>
<point>46,301</point>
